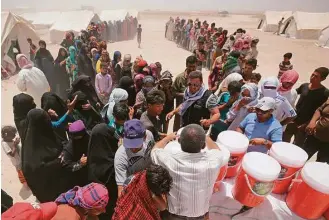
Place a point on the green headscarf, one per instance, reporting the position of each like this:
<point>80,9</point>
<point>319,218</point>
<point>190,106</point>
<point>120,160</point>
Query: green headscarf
<point>230,63</point>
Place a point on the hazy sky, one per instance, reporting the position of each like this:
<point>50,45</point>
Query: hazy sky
<point>233,5</point>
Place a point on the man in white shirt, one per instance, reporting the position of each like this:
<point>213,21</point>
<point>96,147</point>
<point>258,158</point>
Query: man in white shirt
<point>194,172</point>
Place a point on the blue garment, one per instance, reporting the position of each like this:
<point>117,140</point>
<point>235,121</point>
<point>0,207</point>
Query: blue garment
<point>270,130</point>
<point>56,124</point>
<point>118,128</point>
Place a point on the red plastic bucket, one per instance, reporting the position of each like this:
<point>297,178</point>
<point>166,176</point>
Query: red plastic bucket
<point>291,158</point>
<point>309,193</point>
<point>256,179</point>
<point>223,169</point>
<point>237,144</point>
<point>326,215</point>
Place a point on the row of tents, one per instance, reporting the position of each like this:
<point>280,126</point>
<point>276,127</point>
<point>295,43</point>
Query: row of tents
<point>299,25</point>
<point>15,29</point>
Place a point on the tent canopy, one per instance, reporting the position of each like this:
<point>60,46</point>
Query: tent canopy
<point>42,19</point>
<point>324,38</point>
<point>270,19</point>
<point>71,21</point>
<point>113,15</point>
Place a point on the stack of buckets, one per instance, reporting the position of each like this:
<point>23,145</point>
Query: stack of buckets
<point>237,144</point>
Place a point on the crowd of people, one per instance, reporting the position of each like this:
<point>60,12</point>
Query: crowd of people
<point>96,143</point>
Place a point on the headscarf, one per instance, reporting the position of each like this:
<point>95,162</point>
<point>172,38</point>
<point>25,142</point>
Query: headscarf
<point>252,88</point>
<point>290,76</point>
<point>102,46</point>
<point>116,96</point>
<point>40,158</point>
<point>154,67</point>
<point>231,78</point>
<point>230,63</point>
<point>127,84</point>
<point>136,194</point>
<point>61,58</point>
<point>93,196</point>
<point>22,104</point>
<point>238,44</point>
<point>101,153</point>
<point>189,98</point>
<point>73,54</point>
<point>115,57</point>
<point>166,75</point>
<point>273,82</point>
<point>23,62</point>
<point>52,101</point>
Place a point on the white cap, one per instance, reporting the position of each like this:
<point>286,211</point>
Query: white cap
<point>266,103</point>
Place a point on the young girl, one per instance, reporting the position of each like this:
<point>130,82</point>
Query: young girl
<point>10,145</point>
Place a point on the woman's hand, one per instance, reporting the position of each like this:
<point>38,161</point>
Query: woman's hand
<point>169,115</point>
<point>310,128</point>
<point>52,113</point>
<point>71,105</point>
<point>257,141</point>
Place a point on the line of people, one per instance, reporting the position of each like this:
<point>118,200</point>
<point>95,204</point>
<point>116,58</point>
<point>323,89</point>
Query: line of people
<point>119,137</point>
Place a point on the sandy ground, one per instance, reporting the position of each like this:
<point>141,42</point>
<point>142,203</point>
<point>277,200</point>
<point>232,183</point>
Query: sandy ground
<point>306,57</point>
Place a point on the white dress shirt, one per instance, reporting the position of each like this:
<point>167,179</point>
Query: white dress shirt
<point>194,176</point>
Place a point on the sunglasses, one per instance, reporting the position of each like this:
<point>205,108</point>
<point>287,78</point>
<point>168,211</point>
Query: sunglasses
<point>194,85</point>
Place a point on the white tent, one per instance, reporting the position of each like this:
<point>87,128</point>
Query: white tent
<point>15,28</point>
<point>42,20</point>
<point>71,21</point>
<point>305,25</point>
<point>324,38</point>
<point>270,19</point>
<point>113,15</point>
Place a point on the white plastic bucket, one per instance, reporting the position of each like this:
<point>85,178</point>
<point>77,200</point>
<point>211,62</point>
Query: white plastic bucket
<point>291,158</point>
<point>256,179</point>
<point>237,144</point>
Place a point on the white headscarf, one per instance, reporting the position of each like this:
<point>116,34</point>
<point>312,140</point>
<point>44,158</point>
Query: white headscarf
<point>230,78</point>
<point>116,96</point>
<point>273,82</point>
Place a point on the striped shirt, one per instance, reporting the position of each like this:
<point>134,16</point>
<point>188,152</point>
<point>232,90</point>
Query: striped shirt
<point>194,175</point>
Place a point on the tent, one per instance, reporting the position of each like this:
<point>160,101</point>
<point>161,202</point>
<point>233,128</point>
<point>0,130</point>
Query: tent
<point>71,21</point>
<point>42,20</point>
<point>324,38</point>
<point>270,19</point>
<point>305,25</point>
<point>14,32</point>
<point>113,15</point>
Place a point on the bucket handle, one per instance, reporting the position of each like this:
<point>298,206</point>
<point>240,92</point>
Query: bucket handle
<point>256,194</point>
<point>284,178</point>
<point>293,182</point>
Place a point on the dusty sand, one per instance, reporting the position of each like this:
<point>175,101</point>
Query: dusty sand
<point>306,57</point>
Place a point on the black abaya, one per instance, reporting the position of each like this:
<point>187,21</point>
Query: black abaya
<point>41,158</point>
<point>45,62</point>
<point>61,77</point>
<point>85,64</point>
<point>22,104</point>
<point>101,152</point>
<point>52,101</point>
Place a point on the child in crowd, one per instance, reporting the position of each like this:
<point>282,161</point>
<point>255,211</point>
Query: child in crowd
<point>103,84</point>
<point>10,145</point>
<point>285,64</point>
<point>255,78</point>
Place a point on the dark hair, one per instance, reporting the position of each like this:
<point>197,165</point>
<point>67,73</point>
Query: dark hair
<point>324,71</point>
<point>8,131</point>
<point>232,37</point>
<point>158,64</point>
<point>121,111</point>
<point>225,32</point>
<point>195,75</point>
<point>256,76</point>
<point>155,97</point>
<point>239,30</point>
<point>103,64</point>
<point>243,31</point>
<point>29,39</point>
<point>287,55</point>
<point>140,25</point>
<point>158,179</point>
<point>191,60</point>
<point>42,42</point>
<point>192,139</point>
<point>213,24</point>
<point>234,87</point>
<point>252,62</point>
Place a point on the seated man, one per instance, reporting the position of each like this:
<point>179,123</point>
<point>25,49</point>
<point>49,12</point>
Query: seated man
<point>134,154</point>
<point>141,197</point>
<point>261,128</point>
<point>194,172</point>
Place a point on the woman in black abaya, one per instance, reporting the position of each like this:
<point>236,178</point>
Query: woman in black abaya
<point>101,152</point>
<point>85,64</point>
<point>22,104</point>
<point>41,154</point>
<point>62,78</point>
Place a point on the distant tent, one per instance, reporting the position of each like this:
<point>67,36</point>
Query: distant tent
<point>223,13</point>
<point>42,20</point>
<point>71,21</point>
<point>14,33</point>
<point>117,22</point>
<point>324,38</point>
<point>270,20</point>
<point>305,25</point>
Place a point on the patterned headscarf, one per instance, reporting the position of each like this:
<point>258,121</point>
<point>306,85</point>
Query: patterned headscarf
<point>93,196</point>
<point>116,96</point>
<point>23,62</point>
<point>290,76</point>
